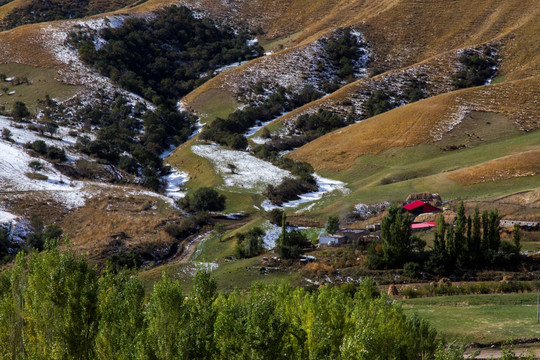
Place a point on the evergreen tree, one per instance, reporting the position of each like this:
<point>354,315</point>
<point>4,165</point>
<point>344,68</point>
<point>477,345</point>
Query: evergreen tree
<point>485,232</point>
<point>476,239</point>
<point>332,226</point>
<point>494,235</point>
<point>516,236</point>
<point>460,244</point>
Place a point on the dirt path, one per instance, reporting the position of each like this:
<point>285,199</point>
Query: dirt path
<point>189,249</point>
<point>519,350</point>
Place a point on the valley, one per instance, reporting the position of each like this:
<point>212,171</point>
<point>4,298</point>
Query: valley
<point>170,138</point>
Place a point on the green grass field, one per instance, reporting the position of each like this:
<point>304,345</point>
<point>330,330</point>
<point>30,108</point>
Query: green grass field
<point>483,319</point>
<point>394,174</point>
<point>41,82</point>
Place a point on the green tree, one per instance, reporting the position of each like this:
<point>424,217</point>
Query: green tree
<point>396,233</point>
<point>121,316</point>
<point>207,199</point>
<point>251,243</point>
<point>165,314</point>
<point>332,225</point>
<point>460,240</point>
<point>19,111</point>
<point>516,237</point>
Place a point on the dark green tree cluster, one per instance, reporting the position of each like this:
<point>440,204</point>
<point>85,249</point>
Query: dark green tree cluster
<point>397,245</point>
<point>229,132</point>
<point>291,244</point>
<point>478,68</point>
<point>51,152</point>
<point>49,10</point>
<point>119,140</point>
<point>165,57</point>
<point>378,102</point>
<point>206,199</point>
<point>250,243</point>
<point>289,189</point>
<point>307,128</point>
<point>343,52</point>
<point>19,111</point>
<point>53,305</point>
<point>471,242</point>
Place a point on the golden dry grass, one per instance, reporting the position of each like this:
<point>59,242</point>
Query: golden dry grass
<point>93,228</point>
<point>422,122</point>
<point>518,165</point>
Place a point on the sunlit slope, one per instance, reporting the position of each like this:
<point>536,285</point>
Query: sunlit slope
<point>422,122</point>
<point>407,33</point>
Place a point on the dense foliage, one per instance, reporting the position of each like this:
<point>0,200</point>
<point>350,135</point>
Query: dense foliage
<point>230,131</point>
<point>166,57</point>
<point>471,242</point>
<point>207,199</point>
<point>51,152</point>
<point>478,68</point>
<point>54,306</point>
<point>250,243</point>
<point>46,10</point>
<point>343,52</point>
<point>119,140</point>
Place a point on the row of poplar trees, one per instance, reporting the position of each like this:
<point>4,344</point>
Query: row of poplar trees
<point>53,305</point>
<point>471,242</point>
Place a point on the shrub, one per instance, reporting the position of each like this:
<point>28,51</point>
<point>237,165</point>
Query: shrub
<point>250,244</point>
<point>19,111</point>
<point>412,269</point>
<point>207,199</point>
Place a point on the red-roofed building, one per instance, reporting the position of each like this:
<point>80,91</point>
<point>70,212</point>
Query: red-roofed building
<point>423,226</point>
<point>419,207</point>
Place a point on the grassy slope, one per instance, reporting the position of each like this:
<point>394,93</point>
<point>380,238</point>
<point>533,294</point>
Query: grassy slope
<point>479,318</point>
<point>42,82</point>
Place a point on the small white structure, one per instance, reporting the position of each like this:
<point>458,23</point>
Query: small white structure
<point>331,240</point>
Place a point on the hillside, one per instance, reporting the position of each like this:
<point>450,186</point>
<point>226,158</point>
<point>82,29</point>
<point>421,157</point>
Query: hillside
<point>396,74</point>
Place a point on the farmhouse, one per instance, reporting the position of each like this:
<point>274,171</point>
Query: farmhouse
<point>527,225</point>
<point>332,240</point>
<point>419,207</point>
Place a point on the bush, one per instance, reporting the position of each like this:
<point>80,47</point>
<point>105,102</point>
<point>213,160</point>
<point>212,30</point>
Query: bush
<point>250,244</point>
<point>125,259</point>
<point>412,270</point>
<point>20,111</point>
<point>207,199</point>
<point>275,216</point>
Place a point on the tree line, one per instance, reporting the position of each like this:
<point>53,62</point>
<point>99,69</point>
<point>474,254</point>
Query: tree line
<point>165,57</point>
<point>53,305</point>
<point>471,242</point>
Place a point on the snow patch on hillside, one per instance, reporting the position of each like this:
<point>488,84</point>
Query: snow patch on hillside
<point>175,182</point>
<point>250,173</point>
<point>22,135</point>
<point>455,116</point>
<point>13,177</point>
<point>325,186</point>
<point>6,217</point>
<point>55,37</point>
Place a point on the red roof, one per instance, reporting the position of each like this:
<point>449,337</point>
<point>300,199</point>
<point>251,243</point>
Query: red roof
<point>423,225</point>
<point>426,208</point>
<point>414,205</point>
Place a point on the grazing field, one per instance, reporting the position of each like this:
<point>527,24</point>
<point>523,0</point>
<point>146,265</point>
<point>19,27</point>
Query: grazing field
<point>41,82</point>
<point>482,319</point>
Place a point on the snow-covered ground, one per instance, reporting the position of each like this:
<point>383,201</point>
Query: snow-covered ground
<point>13,177</point>
<point>175,182</point>
<point>250,173</point>
<point>325,186</point>
<point>6,217</point>
<point>21,135</point>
